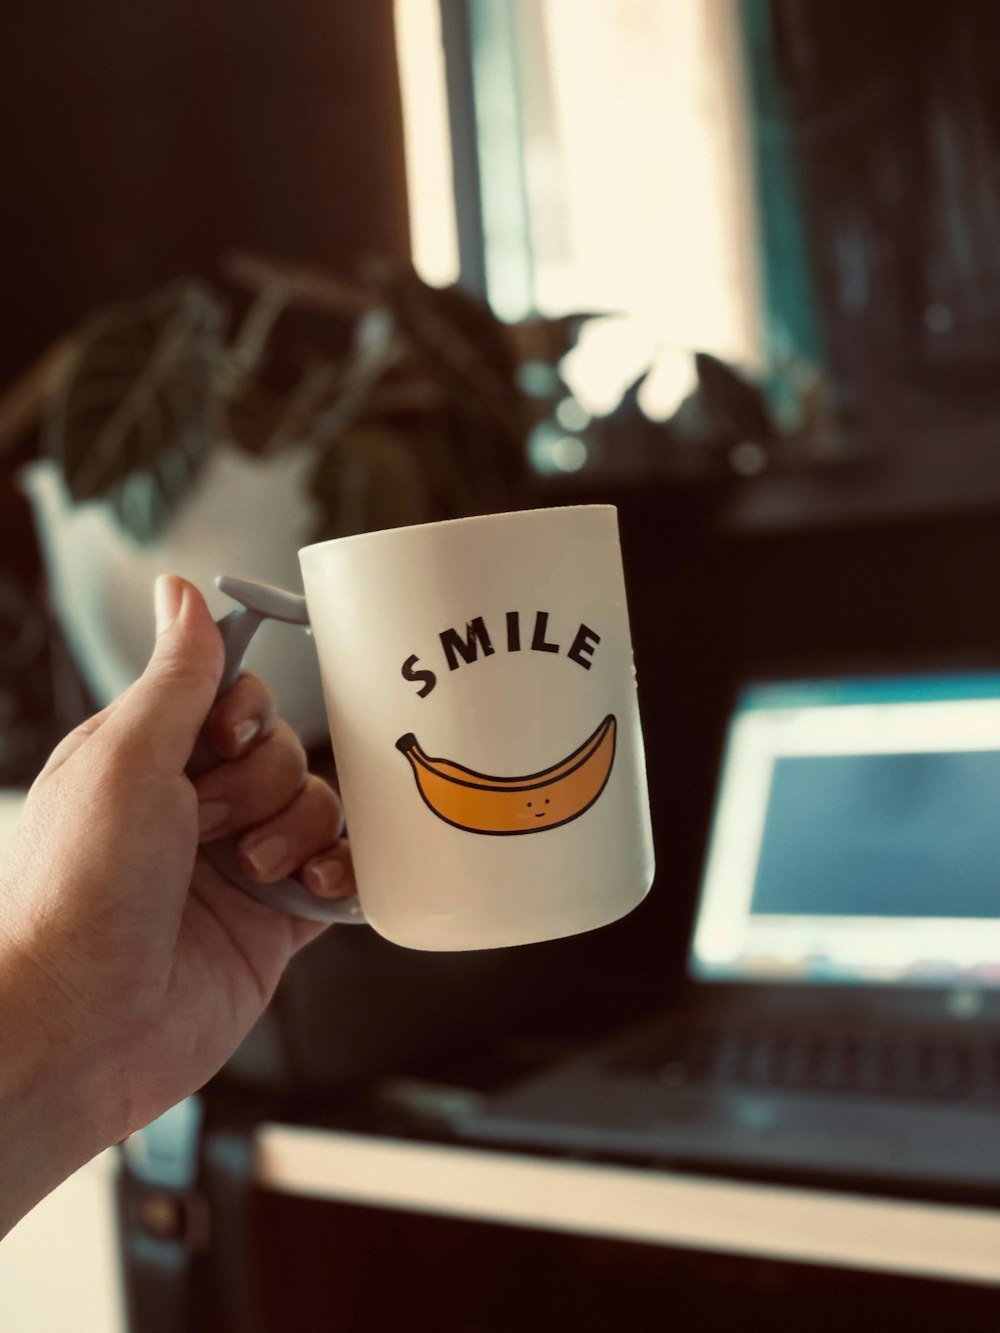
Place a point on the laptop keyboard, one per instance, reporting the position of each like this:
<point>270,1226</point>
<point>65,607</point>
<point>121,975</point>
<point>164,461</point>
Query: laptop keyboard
<point>849,1062</point>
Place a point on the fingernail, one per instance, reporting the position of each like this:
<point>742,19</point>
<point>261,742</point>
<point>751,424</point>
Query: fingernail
<point>244,732</point>
<point>168,593</point>
<point>211,816</point>
<point>327,878</point>
<point>267,855</point>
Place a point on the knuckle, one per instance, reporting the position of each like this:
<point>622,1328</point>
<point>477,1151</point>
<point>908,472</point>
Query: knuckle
<point>236,700</point>
<point>326,802</point>
<point>254,690</point>
<point>289,747</point>
<point>322,792</point>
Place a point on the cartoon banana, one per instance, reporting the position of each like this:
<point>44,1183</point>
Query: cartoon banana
<point>530,804</point>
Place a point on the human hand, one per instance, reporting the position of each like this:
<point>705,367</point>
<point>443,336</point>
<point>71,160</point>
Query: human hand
<point>130,969</point>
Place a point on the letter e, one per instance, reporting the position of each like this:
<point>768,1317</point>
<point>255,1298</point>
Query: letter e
<point>583,646</point>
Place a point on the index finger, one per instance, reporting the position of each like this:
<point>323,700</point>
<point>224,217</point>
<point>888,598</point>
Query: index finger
<point>243,717</point>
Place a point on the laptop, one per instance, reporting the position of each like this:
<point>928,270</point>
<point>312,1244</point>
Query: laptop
<point>840,1018</point>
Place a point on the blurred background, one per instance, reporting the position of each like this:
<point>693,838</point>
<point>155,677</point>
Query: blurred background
<point>274,274</point>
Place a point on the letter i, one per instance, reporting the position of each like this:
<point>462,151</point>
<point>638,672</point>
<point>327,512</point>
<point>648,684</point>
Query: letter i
<point>513,632</point>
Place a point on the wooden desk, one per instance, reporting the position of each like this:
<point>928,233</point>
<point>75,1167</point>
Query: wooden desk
<point>928,1240</point>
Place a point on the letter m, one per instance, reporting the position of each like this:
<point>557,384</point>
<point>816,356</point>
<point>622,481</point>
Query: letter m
<point>455,647</point>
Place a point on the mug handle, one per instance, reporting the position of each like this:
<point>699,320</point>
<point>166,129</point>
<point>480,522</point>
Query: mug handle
<point>259,602</point>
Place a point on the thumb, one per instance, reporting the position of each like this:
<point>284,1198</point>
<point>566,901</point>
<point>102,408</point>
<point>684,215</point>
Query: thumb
<point>163,712</point>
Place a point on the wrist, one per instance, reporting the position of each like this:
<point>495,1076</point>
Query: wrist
<point>54,1113</point>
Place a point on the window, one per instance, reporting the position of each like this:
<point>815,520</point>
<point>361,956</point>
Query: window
<point>428,144</point>
<point>614,176</point>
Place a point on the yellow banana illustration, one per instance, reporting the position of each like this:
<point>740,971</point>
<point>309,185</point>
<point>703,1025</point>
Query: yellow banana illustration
<point>530,804</point>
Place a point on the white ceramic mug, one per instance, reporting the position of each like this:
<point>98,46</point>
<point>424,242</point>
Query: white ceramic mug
<point>481,696</point>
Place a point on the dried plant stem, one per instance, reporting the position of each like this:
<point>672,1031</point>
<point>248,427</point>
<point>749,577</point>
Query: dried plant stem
<point>248,346</point>
<point>302,404</point>
<point>371,365</point>
<point>22,402</point>
<point>307,287</point>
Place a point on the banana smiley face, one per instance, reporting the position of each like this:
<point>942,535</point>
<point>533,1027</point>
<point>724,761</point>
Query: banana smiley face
<point>501,806</point>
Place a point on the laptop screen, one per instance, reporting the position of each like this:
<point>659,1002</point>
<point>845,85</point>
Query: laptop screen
<point>856,835</point>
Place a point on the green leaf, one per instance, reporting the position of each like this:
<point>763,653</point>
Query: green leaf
<point>463,345</point>
<point>135,415</point>
<point>368,479</point>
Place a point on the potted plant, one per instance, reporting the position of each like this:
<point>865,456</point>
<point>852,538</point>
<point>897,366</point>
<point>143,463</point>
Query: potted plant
<point>174,436</point>
<point>171,436</point>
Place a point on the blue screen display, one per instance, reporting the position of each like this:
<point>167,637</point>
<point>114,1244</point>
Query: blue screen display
<point>882,835</point>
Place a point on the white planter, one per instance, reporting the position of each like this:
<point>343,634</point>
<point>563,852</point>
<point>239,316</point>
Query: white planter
<point>246,517</point>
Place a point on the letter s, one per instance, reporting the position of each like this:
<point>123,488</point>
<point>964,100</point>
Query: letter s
<point>428,677</point>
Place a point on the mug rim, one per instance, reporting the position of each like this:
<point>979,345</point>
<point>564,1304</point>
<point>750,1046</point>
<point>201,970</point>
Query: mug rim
<point>471,519</point>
